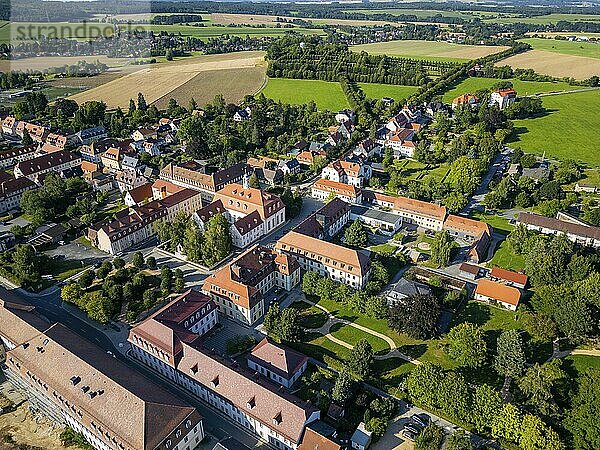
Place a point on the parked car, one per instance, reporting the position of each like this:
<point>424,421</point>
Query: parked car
<point>413,428</point>
<point>409,435</point>
<point>421,420</point>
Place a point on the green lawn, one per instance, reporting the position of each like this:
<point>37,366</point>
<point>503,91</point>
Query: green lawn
<point>327,95</point>
<point>589,49</point>
<point>499,223</point>
<point>390,373</point>
<point>583,362</point>
<point>378,91</point>
<point>569,129</point>
<point>310,316</point>
<point>352,335</point>
<point>384,249</point>
<point>506,259</point>
<point>474,84</point>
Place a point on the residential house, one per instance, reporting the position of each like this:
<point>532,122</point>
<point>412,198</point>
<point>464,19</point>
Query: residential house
<point>128,179</point>
<point>503,98</point>
<point>138,224</point>
<point>76,384</point>
<point>278,363</point>
<point>314,439</point>
<point>255,404</point>
<point>152,146</point>
<point>90,135</point>
<point>90,170</point>
<point>242,115</point>
<point>142,134</point>
<point>307,157</point>
<point>139,195</point>
<point>57,140</point>
<point>289,166</point>
<point>404,289</point>
<point>322,189</point>
<point>345,115</point>
<point>12,156</point>
<point>587,236</point>
<point>347,172</point>
<point>402,142</point>
<point>497,294</point>
<point>478,234</point>
<point>111,159</point>
<point>327,221</point>
<point>367,148</point>
<point>91,152</point>
<point>35,168</point>
<point>238,288</point>
<point>132,163</point>
<point>339,263</point>
<point>465,100</point>
<point>9,126</point>
<point>516,279</point>
<point>469,271</point>
<point>582,187</point>
<point>162,189</point>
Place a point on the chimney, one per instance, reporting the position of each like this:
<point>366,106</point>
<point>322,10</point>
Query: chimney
<point>235,269</point>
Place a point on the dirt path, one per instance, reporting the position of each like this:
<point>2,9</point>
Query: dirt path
<point>394,352</point>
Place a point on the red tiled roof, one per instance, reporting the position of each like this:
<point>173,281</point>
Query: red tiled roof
<point>498,291</point>
<point>509,275</point>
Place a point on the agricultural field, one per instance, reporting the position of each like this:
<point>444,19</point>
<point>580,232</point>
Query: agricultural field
<point>554,64</point>
<point>47,62</point>
<point>587,49</point>
<point>429,50</point>
<point>378,91</point>
<point>233,84</point>
<point>424,13</point>
<point>547,134</point>
<point>550,18</point>
<point>473,84</point>
<point>327,95</point>
<point>159,80</point>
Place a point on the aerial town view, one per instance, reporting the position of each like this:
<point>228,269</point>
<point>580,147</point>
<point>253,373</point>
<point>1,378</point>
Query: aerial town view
<point>299,225</point>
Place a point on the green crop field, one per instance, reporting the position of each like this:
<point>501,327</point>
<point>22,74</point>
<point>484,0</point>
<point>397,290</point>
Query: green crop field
<point>327,95</point>
<point>589,49</point>
<point>421,13</point>
<point>378,91</point>
<point>428,50</point>
<point>568,130</point>
<point>550,18</point>
<point>474,84</point>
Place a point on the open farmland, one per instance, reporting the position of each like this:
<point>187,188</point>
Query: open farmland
<point>158,81</point>
<point>549,134</point>
<point>326,94</point>
<point>233,84</point>
<point>554,64</point>
<point>378,91</point>
<point>587,49</point>
<point>47,62</point>
<point>549,18</point>
<point>473,84</point>
<point>430,50</point>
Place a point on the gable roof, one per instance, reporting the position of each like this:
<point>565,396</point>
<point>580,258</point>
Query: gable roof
<point>559,225</point>
<point>45,162</point>
<point>141,193</point>
<point>509,275</point>
<point>498,291</point>
<point>336,187</point>
<point>277,358</point>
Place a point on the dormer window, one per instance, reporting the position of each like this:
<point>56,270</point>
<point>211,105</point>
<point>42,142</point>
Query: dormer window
<point>251,403</point>
<point>277,419</point>
<point>215,381</point>
<point>194,369</point>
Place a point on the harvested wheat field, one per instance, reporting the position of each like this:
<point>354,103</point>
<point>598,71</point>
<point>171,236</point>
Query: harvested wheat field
<point>233,84</point>
<point>23,427</point>
<point>159,80</point>
<point>554,64</point>
<point>434,50</point>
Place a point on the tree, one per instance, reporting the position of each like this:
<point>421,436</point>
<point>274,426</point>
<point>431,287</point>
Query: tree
<point>417,316</point>
<point>538,385</point>
<point>361,359</point>
<point>97,306</point>
<point>179,284</point>
<point>104,270</point>
<point>486,406</point>
<point>151,262</point>
<point>141,102</point>
<point>118,263</point>
<point>253,181</point>
<point>217,240</point>
<point>459,440</point>
<point>510,356</point>
<point>26,140</point>
<point>441,248</point>
<point>377,426</point>
<point>356,235</point>
<point>466,345</point>
<point>86,279</point>
<point>309,282</point>
<point>430,438</point>
<point>342,389</point>
<point>271,319</point>
<point>26,264</point>
<point>138,260</point>
<point>507,424</point>
<point>288,329</point>
<point>193,240</point>
<point>583,419</point>
<point>536,435</point>
<point>71,293</point>
<point>423,382</point>
<point>546,262</point>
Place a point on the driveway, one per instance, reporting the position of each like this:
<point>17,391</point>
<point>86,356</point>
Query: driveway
<point>192,275</point>
<point>16,221</point>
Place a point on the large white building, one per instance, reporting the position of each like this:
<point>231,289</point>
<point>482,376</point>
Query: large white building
<point>347,172</point>
<point>338,263</point>
<point>252,213</point>
<point>253,402</point>
<point>585,235</point>
<point>238,287</point>
<point>53,162</point>
<point>75,383</point>
<point>322,190</point>
<point>139,223</point>
<point>503,98</point>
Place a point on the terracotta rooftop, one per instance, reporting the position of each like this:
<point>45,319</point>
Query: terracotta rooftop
<point>498,291</point>
<point>244,200</point>
<point>278,359</point>
<point>334,186</point>
<point>509,275</point>
<point>314,441</point>
<point>141,193</point>
<point>467,226</point>
<point>344,259</point>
